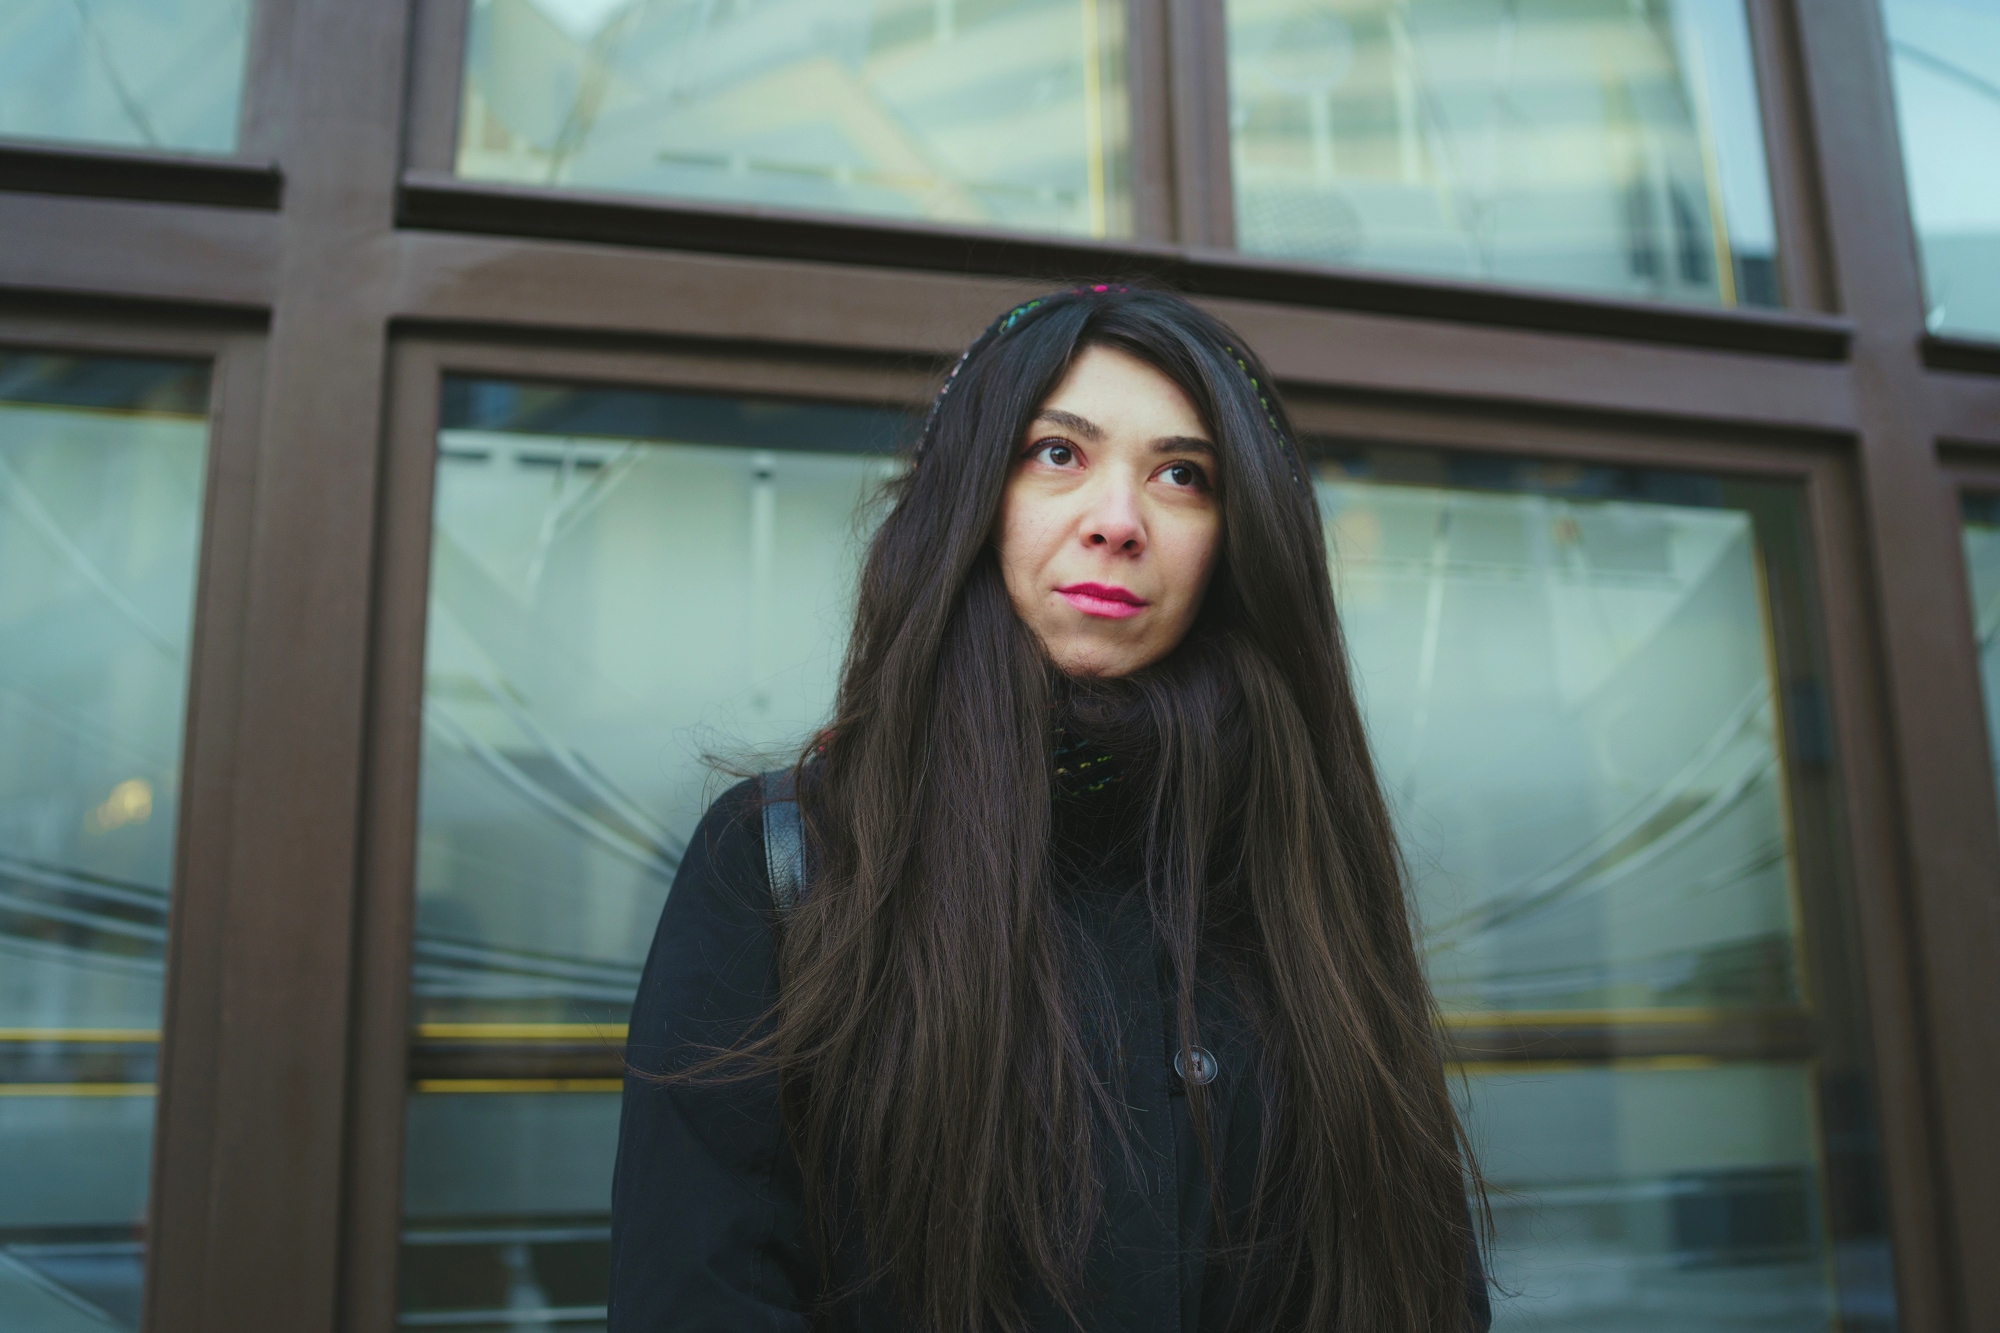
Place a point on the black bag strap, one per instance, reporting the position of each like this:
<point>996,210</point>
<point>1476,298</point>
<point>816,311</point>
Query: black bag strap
<point>784,843</point>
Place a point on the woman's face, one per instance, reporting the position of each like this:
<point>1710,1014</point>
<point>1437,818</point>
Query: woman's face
<point>1110,522</point>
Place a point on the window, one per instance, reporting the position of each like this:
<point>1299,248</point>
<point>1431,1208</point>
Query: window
<point>137,73</point>
<point>1595,700</point>
<point>101,479</point>
<point>1604,146</point>
<point>990,113</point>
<point>1945,58</point>
<point>1595,695</point>
<point>621,582</point>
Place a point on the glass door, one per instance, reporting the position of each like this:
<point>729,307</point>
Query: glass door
<point>1596,700</point>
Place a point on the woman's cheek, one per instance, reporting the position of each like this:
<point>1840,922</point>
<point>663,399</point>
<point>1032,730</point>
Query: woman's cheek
<point>1192,554</point>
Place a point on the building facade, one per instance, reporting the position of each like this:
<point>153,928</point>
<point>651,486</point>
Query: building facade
<point>431,431</point>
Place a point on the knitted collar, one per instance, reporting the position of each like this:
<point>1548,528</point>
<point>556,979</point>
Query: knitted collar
<point>1083,767</point>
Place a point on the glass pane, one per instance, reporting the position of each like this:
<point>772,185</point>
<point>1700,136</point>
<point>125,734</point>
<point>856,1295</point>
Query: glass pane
<point>1945,58</point>
<point>507,1207</point>
<point>1656,1197</point>
<point>1603,826</point>
<point>1595,700</point>
<point>1000,113</point>
<point>1982,566</point>
<point>101,466</point>
<point>135,73</point>
<point>578,536</point>
<point>1612,146</point>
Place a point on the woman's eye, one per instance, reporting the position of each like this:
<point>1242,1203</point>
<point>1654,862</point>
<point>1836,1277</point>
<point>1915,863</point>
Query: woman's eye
<point>1184,474</point>
<point>1054,453</point>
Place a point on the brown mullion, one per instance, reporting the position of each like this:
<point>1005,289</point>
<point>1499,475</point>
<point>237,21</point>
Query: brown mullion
<point>386,911</point>
<point>185,1146</point>
<point>1883,938</point>
<point>1943,789</point>
<point>1198,56</point>
<point>269,1243</point>
<point>437,72</point>
<point>1796,205</point>
<point>1149,81</point>
<point>1870,1091</point>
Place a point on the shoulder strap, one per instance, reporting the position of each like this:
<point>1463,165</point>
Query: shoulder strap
<point>784,845</point>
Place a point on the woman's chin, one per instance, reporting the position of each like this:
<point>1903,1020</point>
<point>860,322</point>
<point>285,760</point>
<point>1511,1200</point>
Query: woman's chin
<point>1099,661</point>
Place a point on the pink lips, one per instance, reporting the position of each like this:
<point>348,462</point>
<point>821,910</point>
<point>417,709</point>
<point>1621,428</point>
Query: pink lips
<point>1103,599</point>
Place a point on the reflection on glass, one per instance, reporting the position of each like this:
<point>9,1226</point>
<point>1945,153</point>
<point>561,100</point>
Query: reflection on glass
<point>100,502</point>
<point>1674,1195</point>
<point>1610,146</point>
<point>1981,535</point>
<point>135,73</point>
<point>505,1208</point>
<point>1599,825</point>
<point>620,582</point>
<point>1003,113</point>
<point>1945,59</point>
<point>1602,740</point>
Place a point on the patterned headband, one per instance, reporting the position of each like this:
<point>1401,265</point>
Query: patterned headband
<point>1004,325</point>
<point>1270,414</point>
<point>997,329</point>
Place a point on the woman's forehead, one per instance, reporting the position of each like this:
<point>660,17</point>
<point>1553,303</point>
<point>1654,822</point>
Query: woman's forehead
<point>1109,391</point>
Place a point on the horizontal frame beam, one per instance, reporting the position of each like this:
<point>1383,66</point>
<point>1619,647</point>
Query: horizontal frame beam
<point>161,178</point>
<point>435,201</point>
<point>205,258</point>
<point>559,290</point>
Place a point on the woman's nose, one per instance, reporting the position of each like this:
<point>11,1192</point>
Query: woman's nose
<point>1113,521</point>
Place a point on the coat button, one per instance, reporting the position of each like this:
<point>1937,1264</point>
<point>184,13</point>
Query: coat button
<point>1196,1066</point>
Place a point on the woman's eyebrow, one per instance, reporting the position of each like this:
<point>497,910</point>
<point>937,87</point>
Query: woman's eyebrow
<point>1090,430</point>
<point>1083,426</point>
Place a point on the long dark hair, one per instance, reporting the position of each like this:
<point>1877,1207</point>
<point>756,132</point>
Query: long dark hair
<point>935,1064</point>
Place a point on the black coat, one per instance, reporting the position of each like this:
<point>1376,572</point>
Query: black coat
<point>708,1231</point>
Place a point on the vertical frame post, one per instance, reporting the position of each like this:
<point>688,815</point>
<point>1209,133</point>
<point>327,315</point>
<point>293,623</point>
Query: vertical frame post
<point>1943,788</point>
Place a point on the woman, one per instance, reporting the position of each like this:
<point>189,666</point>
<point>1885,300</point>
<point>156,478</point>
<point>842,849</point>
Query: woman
<point>1098,1007</point>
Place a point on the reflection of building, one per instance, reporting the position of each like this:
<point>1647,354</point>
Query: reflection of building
<point>425,431</point>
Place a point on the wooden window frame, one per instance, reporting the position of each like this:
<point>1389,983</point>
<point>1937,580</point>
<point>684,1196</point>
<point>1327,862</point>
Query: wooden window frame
<point>330,271</point>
